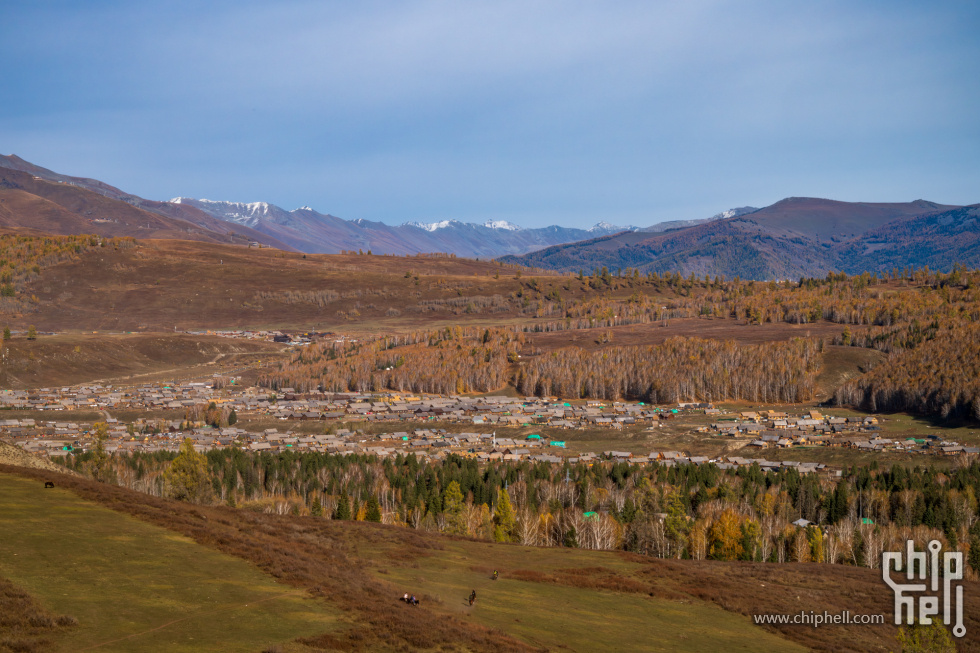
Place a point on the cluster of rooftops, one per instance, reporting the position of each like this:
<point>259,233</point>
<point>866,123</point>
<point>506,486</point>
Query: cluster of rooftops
<point>59,438</point>
<point>288,404</point>
<point>774,429</point>
<point>762,429</point>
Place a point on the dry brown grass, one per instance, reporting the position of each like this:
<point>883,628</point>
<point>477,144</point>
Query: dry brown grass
<point>68,359</point>
<point>592,578</point>
<point>160,284</point>
<point>788,588</point>
<point>25,625</point>
<point>654,333</point>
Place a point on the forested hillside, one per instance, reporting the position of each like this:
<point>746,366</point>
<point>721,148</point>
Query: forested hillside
<point>792,238</point>
<point>922,320</point>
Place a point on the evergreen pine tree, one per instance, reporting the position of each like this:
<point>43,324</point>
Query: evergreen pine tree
<point>373,510</point>
<point>973,558</point>
<point>100,459</point>
<point>343,507</point>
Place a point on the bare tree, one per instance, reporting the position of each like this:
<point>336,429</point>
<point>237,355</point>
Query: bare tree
<point>528,528</point>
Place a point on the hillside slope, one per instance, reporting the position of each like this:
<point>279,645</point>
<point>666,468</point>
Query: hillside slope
<point>792,238</point>
<point>29,193</point>
<point>104,212</point>
<point>133,586</point>
<point>61,360</point>
<point>157,285</point>
<point>549,598</point>
<point>17,457</point>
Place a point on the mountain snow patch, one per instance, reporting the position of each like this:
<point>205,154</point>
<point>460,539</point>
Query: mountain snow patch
<point>604,227</point>
<point>733,213</point>
<point>501,224</point>
<point>432,226</point>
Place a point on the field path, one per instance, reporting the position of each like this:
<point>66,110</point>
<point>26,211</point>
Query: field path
<point>195,616</point>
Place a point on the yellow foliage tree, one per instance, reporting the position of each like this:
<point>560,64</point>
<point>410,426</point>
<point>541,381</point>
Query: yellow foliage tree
<point>187,475</point>
<point>726,536</point>
<point>504,519</point>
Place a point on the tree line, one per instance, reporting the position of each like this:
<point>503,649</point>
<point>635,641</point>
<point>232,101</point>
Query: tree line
<point>683,511</point>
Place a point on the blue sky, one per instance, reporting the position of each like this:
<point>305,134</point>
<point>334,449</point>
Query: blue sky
<point>535,112</point>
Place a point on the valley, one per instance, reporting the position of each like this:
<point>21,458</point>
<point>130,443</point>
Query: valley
<point>489,327</point>
<point>667,447</point>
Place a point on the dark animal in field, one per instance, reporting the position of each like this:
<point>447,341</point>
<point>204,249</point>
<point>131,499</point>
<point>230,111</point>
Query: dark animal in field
<point>48,484</point>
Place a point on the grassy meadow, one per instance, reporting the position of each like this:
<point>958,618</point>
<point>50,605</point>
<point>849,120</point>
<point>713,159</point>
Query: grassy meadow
<point>133,586</point>
<point>140,573</point>
<point>606,613</point>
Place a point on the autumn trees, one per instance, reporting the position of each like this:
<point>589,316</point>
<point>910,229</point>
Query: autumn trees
<point>681,369</point>
<point>459,361</point>
<point>187,477</point>
<point>938,373</point>
<point>699,512</point>
<point>448,361</point>
<point>931,313</point>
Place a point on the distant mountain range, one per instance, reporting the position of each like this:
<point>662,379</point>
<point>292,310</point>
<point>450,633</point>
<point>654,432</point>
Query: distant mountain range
<point>310,231</point>
<point>36,200</point>
<point>794,237</point>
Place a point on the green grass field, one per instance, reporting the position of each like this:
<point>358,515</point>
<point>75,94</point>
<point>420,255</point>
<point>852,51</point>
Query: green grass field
<point>562,617</point>
<point>133,586</point>
<point>137,587</point>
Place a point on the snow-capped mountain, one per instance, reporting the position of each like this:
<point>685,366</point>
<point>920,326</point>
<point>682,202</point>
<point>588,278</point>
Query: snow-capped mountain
<point>310,231</point>
<point>245,214</point>
<point>502,224</point>
<point>679,224</point>
<point>734,213</point>
<point>431,226</point>
<point>604,229</point>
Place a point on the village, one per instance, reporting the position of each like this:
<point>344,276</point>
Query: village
<point>414,419</point>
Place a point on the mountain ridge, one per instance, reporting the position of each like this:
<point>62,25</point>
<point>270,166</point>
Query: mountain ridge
<point>796,236</point>
<point>92,206</point>
<point>791,238</point>
<point>321,233</point>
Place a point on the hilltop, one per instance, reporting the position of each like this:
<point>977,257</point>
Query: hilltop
<point>160,285</point>
<point>792,238</point>
<point>37,200</point>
